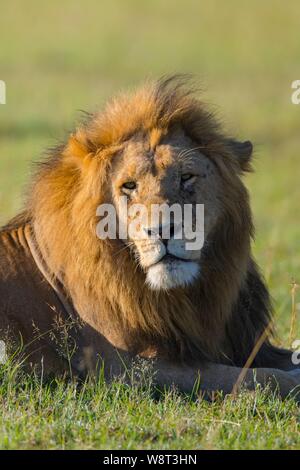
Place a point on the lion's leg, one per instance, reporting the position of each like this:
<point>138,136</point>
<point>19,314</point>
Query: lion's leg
<point>212,377</point>
<point>272,357</point>
<point>226,379</point>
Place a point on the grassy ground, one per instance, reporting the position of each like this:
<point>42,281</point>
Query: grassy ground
<point>97,416</point>
<point>59,57</point>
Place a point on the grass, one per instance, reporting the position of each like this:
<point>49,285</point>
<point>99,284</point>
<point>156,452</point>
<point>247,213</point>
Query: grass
<point>59,57</point>
<point>95,415</point>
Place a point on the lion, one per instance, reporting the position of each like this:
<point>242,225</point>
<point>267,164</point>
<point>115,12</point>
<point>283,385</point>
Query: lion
<point>202,314</point>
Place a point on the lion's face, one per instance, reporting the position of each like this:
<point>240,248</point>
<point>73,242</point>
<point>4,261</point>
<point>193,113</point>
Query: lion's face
<point>174,171</point>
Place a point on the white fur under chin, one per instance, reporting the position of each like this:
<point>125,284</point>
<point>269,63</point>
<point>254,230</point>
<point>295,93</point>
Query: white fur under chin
<point>170,275</point>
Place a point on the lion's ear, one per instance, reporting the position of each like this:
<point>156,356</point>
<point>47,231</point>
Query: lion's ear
<point>78,148</point>
<point>243,152</point>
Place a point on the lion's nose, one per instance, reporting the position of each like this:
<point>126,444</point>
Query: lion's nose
<point>165,232</point>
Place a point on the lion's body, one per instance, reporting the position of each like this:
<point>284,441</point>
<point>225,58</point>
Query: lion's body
<point>30,306</point>
<point>27,301</point>
<point>52,253</point>
<point>35,320</point>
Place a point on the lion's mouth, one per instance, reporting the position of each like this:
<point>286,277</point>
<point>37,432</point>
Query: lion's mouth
<point>170,258</point>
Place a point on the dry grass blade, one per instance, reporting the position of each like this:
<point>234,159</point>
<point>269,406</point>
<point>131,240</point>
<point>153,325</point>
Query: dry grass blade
<point>251,358</point>
<point>293,313</point>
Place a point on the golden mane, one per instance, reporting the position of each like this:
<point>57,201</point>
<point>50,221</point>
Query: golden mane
<point>98,275</point>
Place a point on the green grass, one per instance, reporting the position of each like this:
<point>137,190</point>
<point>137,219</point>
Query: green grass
<point>95,415</point>
<point>60,57</point>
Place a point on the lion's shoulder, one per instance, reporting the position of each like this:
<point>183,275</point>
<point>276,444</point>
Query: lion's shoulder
<point>22,286</point>
<point>14,252</point>
<point>29,307</point>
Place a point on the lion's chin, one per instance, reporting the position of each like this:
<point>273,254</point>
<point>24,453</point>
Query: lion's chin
<point>171,274</point>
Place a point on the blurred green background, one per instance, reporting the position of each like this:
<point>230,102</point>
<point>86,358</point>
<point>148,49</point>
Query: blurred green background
<point>60,57</point>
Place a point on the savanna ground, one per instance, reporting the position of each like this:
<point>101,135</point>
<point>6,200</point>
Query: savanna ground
<point>60,57</point>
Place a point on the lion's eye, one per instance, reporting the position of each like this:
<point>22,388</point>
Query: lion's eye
<point>129,185</point>
<point>186,177</point>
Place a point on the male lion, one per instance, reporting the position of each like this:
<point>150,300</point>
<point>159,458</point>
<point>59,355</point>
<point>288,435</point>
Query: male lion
<point>188,313</point>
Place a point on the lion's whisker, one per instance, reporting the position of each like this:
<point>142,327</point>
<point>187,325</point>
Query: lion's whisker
<point>127,246</point>
<point>186,152</point>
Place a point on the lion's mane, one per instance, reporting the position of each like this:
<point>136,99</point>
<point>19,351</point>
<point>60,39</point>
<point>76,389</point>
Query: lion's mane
<point>219,317</point>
